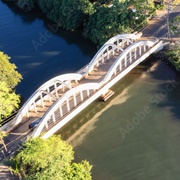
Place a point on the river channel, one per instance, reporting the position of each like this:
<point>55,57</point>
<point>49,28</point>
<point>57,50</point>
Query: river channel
<point>135,135</point>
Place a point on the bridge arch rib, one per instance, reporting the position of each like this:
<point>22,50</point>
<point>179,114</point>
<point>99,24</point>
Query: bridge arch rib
<point>116,43</point>
<point>128,56</point>
<point>64,105</point>
<point>48,91</point>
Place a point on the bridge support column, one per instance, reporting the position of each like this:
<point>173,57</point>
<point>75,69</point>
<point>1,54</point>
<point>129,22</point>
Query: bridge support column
<point>88,92</point>
<point>74,99</point>
<point>55,85</point>
<point>97,64</point>
<point>140,50</point>
<point>62,87</point>
<point>135,54</point>
<point>53,117</point>
<point>103,59</point>
<point>120,66</point>
<point>144,48</point>
<point>125,60</point>
<point>69,84</point>
<point>49,96</point>
<point>108,53</point>
<point>81,95</point>
<point>42,102</point>
<point>67,104</point>
<point>60,111</point>
<point>123,43</point>
<point>35,110</point>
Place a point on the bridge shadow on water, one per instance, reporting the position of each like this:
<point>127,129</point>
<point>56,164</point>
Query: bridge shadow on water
<point>166,92</point>
<point>79,127</point>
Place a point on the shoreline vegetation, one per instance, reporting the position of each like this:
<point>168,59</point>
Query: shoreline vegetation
<point>50,159</point>
<point>98,20</point>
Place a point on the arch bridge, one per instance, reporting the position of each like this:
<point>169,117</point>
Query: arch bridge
<point>61,98</point>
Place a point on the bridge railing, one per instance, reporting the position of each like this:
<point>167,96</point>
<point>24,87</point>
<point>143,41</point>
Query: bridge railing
<point>123,57</point>
<point>75,94</point>
<point>115,43</point>
<point>44,92</point>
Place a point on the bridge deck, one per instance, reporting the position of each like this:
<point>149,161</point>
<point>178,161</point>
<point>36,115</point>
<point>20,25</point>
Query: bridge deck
<point>95,76</point>
<point>105,70</point>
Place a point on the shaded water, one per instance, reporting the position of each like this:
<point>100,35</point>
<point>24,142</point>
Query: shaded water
<point>39,49</point>
<point>134,135</point>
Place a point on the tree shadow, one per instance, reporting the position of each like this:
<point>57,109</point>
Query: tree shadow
<point>71,37</point>
<point>168,93</point>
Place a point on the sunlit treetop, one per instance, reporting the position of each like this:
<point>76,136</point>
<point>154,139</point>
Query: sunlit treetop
<point>8,72</point>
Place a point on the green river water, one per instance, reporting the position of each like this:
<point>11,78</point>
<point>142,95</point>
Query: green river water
<point>135,135</point>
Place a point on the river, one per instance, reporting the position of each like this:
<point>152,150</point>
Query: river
<point>135,134</point>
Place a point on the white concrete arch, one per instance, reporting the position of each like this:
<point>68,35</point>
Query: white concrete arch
<point>115,43</point>
<point>38,95</point>
<point>127,36</point>
<point>69,97</point>
<point>100,57</point>
<point>127,55</point>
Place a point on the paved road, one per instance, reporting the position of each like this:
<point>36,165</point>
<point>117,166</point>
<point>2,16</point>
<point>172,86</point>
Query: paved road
<point>158,26</point>
<point>14,139</point>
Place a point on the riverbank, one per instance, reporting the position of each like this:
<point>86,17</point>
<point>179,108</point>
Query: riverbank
<point>88,16</point>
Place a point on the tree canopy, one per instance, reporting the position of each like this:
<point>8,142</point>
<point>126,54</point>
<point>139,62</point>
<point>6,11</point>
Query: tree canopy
<point>9,100</point>
<point>175,26</point>
<point>49,159</point>
<point>173,55</point>
<point>8,71</point>
<point>67,13</point>
<point>107,22</point>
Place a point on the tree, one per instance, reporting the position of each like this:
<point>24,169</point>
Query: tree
<point>8,100</point>
<point>26,5</point>
<point>8,72</point>
<point>74,13</point>
<point>107,22</point>
<point>173,55</point>
<point>49,159</point>
<point>68,14</point>
<point>145,8</point>
<point>175,26</point>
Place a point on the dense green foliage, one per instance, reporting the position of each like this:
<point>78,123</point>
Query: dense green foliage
<point>120,17</point>
<point>107,22</point>
<point>175,26</point>
<point>49,159</point>
<point>67,13</point>
<point>8,71</point>
<point>98,19</point>
<point>27,5</point>
<point>9,101</point>
<point>173,55</point>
